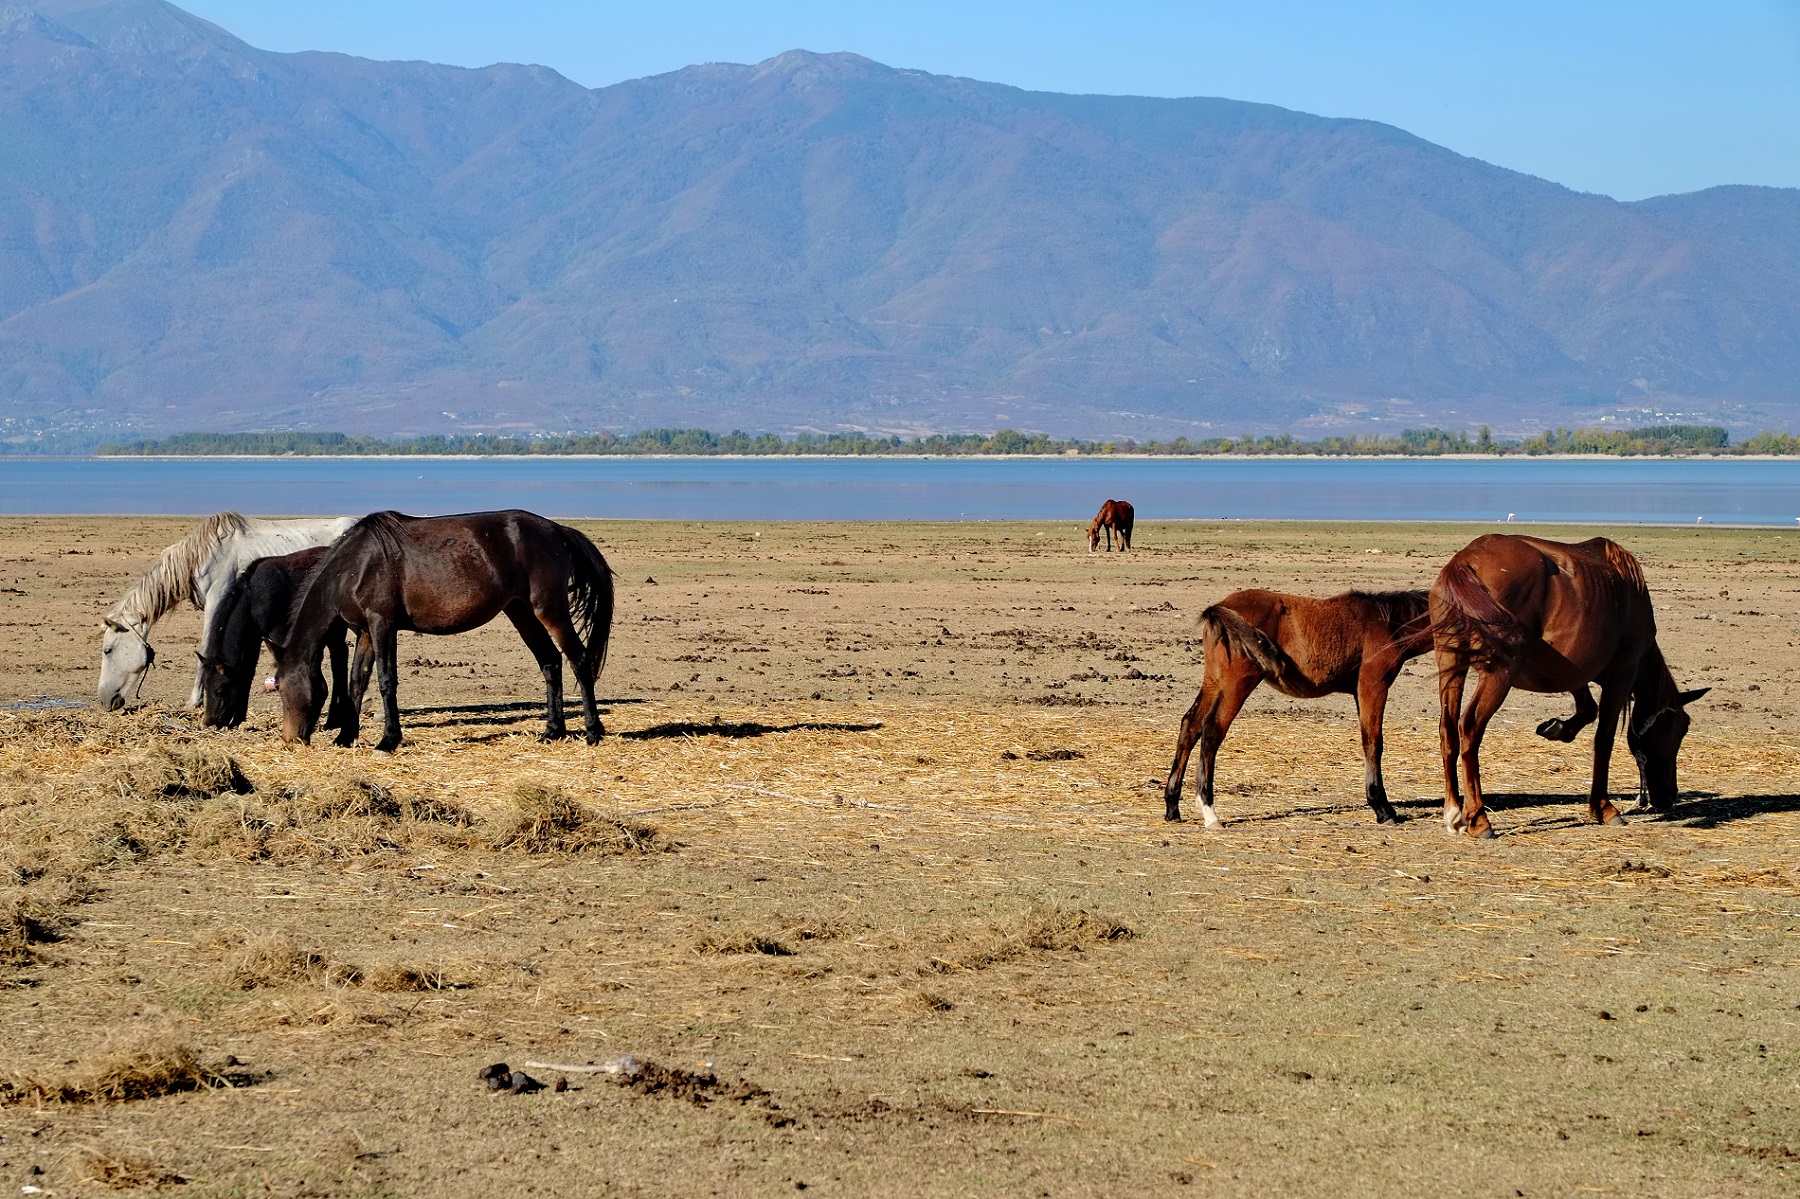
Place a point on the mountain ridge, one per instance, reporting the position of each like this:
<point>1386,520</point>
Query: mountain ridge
<point>815,242</point>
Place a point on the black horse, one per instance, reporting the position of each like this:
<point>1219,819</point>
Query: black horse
<point>450,574</point>
<point>253,612</point>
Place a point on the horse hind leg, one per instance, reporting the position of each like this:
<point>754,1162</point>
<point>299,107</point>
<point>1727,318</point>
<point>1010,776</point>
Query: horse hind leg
<point>1206,723</point>
<point>1559,728</point>
<point>1489,693</point>
<point>543,648</point>
<point>1452,674</point>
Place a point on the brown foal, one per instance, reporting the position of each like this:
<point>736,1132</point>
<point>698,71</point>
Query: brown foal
<point>1354,643</point>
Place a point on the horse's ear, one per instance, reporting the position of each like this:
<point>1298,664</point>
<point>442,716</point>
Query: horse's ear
<point>1688,697</point>
<point>108,622</point>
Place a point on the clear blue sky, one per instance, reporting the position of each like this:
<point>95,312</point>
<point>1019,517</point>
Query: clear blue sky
<point>1628,99</point>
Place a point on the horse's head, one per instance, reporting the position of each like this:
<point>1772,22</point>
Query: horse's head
<point>1093,532</point>
<point>1654,734</point>
<point>125,658</point>
<point>225,701</point>
<point>302,687</point>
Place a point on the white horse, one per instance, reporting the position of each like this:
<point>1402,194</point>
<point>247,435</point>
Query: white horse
<point>199,568</point>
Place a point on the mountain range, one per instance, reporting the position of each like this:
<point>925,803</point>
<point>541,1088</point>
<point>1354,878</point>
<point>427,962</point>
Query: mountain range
<point>197,234</point>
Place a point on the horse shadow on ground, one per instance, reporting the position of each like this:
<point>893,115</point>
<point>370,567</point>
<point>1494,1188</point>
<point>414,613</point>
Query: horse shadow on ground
<point>522,712</point>
<point>742,728</point>
<point>1693,809</point>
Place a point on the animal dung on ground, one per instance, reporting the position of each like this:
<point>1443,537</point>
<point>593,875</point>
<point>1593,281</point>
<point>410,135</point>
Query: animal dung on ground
<point>501,1077</point>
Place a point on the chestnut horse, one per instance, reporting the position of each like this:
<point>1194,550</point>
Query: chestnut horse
<point>1547,616</point>
<point>450,574</point>
<point>254,611</point>
<point>1115,516</point>
<point>1354,643</point>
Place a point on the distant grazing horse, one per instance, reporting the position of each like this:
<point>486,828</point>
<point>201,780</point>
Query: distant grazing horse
<point>1354,643</point>
<point>450,574</point>
<point>199,568</point>
<point>254,611</point>
<point>1115,516</point>
<point>1546,616</point>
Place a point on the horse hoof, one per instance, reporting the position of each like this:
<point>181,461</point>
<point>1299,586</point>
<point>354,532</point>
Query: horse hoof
<point>1486,834</point>
<point>1173,815</point>
<point>1389,816</point>
<point>1615,818</point>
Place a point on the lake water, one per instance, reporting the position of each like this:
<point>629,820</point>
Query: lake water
<point>1612,491</point>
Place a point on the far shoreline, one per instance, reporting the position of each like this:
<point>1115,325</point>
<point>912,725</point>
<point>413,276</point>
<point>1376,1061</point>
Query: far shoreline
<point>1692,457</point>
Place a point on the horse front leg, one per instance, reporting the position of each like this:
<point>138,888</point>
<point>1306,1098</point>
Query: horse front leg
<point>1612,703</point>
<point>387,678</point>
<point>335,715</point>
<point>197,697</point>
<point>362,665</point>
<point>1371,704</point>
<point>1564,729</point>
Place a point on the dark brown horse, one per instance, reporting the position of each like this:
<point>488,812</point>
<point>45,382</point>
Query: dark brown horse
<point>254,611</point>
<point>1115,516</point>
<point>450,574</point>
<point>1354,643</point>
<point>1547,616</point>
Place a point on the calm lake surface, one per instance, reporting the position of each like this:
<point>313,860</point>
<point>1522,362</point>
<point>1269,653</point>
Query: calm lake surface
<point>1612,491</point>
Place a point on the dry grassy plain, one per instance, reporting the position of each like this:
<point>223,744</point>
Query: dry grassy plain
<point>822,863</point>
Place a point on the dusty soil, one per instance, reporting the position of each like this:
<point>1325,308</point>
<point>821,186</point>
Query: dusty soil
<point>871,880</point>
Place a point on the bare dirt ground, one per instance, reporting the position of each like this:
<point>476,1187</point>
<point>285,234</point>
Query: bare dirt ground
<point>872,881</point>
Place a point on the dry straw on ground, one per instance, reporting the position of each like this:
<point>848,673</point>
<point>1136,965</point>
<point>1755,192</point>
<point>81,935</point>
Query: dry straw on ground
<point>546,820</point>
<point>132,1067</point>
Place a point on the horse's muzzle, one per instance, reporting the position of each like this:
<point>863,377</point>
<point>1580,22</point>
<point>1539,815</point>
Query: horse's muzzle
<point>115,703</point>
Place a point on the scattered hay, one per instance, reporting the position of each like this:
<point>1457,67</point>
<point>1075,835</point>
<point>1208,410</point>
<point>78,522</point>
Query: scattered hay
<point>741,942</point>
<point>273,960</point>
<point>1056,928</point>
<point>400,978</point>
<point>26,922</point>
<point>330,818</point>
<point>127,1172</point>
<point>1049,928</point>
<point>170,769</point>
<point>545,820</point>
<point>146,1067</point>
<point>1054,755</point>
<point>931,1001</point>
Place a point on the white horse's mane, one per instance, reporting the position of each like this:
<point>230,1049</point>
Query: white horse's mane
<point>171,580</point>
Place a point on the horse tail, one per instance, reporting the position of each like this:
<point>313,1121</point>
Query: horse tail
<point>1470,611</point>
<point>1239,636</point>
<point>590,598</point>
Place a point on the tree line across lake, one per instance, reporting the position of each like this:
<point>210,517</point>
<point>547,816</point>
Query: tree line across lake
<point>1655,440</point>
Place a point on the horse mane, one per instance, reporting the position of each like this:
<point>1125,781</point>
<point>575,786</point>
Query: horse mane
<point>384,528</point>
<point>1398,608</point>
<point>171,580</point>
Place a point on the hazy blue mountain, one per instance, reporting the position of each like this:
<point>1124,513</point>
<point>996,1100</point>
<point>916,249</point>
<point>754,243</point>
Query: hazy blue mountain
<point>198,234</point>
